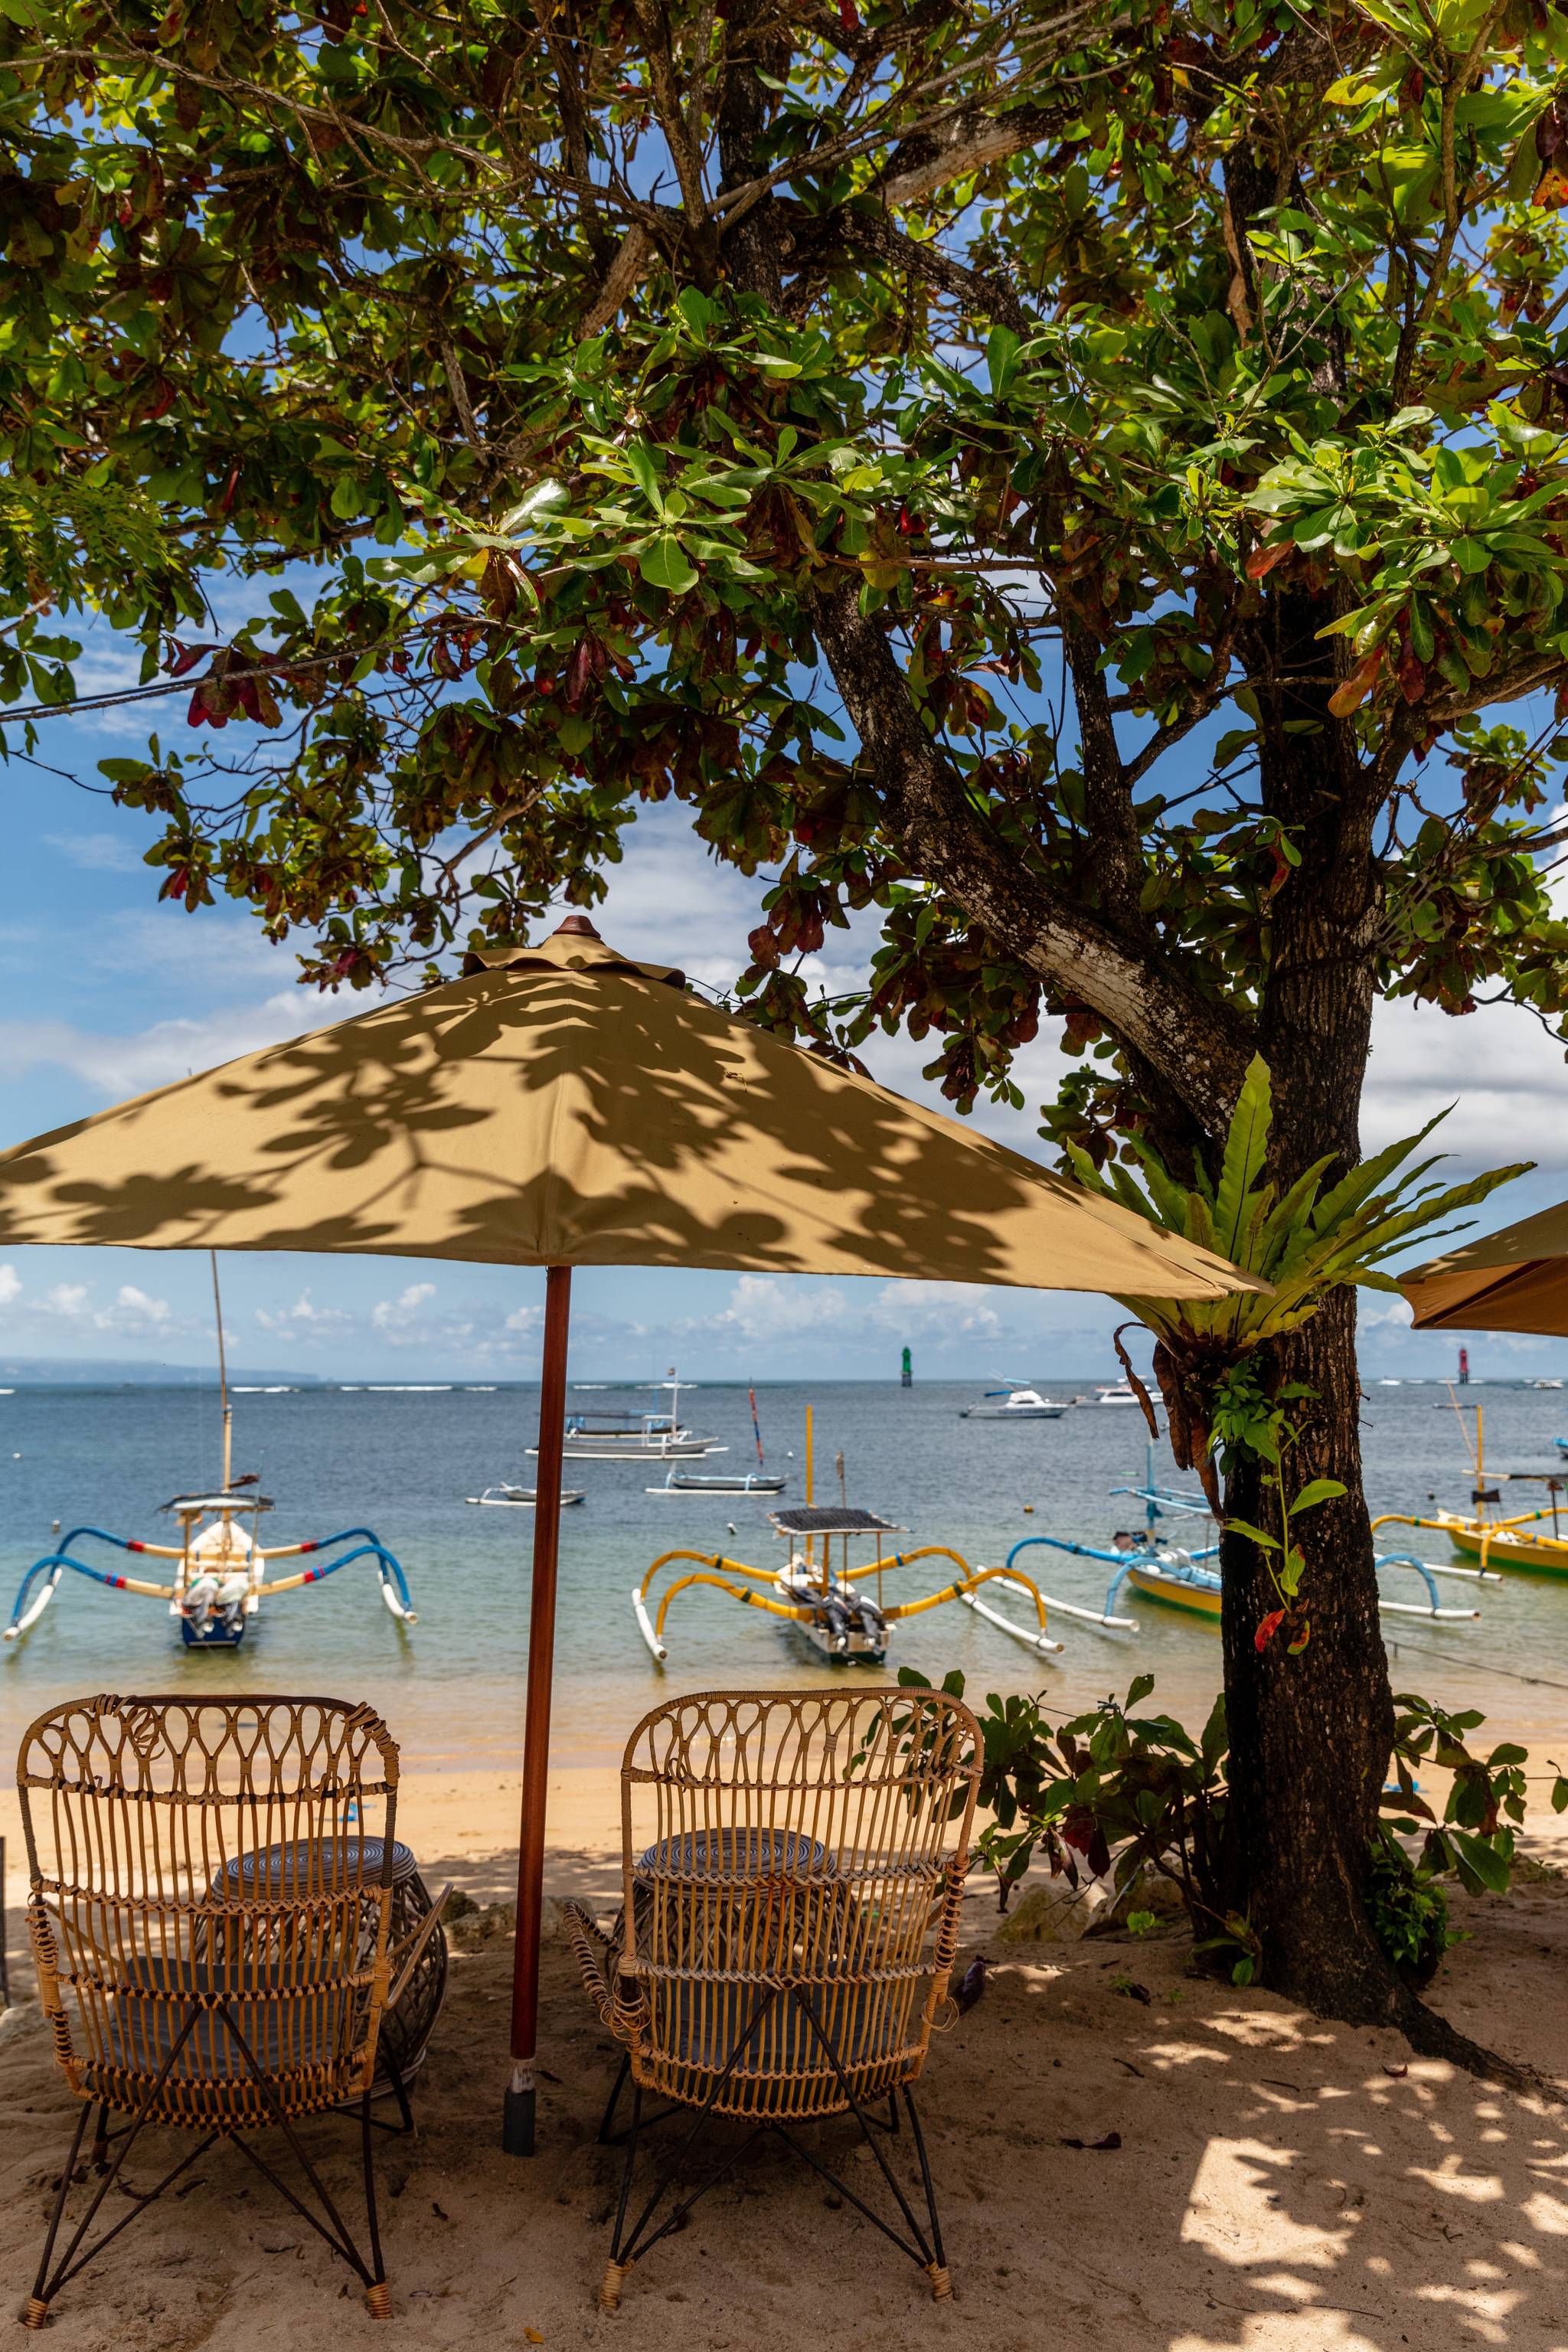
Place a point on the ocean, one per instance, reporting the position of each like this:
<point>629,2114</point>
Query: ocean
<point>401,1462</point>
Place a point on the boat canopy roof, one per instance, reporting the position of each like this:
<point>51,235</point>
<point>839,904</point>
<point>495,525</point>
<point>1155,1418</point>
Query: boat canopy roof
<point>838,1521</point>
<point>187,1505</point>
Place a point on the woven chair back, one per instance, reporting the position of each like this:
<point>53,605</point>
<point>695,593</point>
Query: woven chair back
<point>794,1868</point>
<point>211,1887</point>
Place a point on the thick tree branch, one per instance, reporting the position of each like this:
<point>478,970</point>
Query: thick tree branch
<point>1115,851</point>
<point>631,260</point>
<point>817,243</point>
<point>967,142</point>
<point>1199,1046</point>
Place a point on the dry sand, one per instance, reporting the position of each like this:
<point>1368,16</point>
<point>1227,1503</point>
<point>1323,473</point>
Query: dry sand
<point>1282,2185</point>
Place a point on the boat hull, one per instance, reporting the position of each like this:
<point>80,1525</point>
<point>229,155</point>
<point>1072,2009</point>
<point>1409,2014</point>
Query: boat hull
<point>1197,1600</point>
<point>719,1486</point>
<point>1017,1412</point>
<point>1545,1555</point>
<point>212,1635</point>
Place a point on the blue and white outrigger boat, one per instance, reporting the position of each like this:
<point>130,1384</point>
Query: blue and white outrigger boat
<point>221,1568</point>
<point>1181,1576</point>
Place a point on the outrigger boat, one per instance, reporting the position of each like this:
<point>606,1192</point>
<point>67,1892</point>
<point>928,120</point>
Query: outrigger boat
<point>612,1436</point>
<point>1496,1543</point>
<point>834,1612</point>
<point>222,1570</point>
<point>760,1481</point>
<point>519,1498</point>
<point>734,1482</point>
<point>1181,1577</point>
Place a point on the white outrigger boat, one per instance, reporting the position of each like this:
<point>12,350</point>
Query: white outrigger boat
<point>500,1496</point>
<point>608,1435</point>
<point>760,1481</point>
<point>221,1568</point>
<point>1013,1404</point>
<point>835,1613</point>
<point>731,1482</point>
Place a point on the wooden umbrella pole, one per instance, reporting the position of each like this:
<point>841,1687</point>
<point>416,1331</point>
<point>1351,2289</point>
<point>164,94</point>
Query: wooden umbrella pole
<point>517,2128</point>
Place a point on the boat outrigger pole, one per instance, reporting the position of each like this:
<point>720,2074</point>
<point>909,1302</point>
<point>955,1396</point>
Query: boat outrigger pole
<point>223,1382</point>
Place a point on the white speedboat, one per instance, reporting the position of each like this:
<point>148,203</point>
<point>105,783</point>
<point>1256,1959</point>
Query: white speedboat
<point>1114,1393</point>
<point>1013,1404</point>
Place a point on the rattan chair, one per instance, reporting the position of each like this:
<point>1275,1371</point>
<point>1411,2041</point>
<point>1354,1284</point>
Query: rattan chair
<point>794,1866</point>
<point>193,1978</point>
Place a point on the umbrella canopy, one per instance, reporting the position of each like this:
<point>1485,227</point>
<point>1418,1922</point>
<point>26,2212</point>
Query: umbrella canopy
<point>566,1107</point>
<point>561,1106</point>
<point>1513,1281</point>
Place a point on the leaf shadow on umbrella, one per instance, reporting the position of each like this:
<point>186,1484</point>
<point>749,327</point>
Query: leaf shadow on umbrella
<point>542,1115</point>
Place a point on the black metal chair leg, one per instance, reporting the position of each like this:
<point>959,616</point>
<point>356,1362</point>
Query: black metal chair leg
<point>378,2301</point>
<point>609,2114</point>
<point>939,2269</point>
<point>36,2313</point>
<point>399,2092</point>
<point>614,2268</point>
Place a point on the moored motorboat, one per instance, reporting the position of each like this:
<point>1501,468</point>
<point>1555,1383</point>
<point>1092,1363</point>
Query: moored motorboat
<point>1013,1404</point>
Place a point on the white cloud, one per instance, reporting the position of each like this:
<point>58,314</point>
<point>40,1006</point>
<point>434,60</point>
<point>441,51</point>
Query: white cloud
<point>99,853</point>
<point>779,1310</point>
<point>134,1309</point>
<point>67,1299</point>
<point>117,1066</point>
<point>394,1315</point>
<point>10,1286</point>
<point>1504,1077</point>
<point>304,1319</point>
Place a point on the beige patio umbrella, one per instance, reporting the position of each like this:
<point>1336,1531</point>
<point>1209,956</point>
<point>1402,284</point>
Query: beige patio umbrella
<point>563,1107</point>
<point>1515,1280</point>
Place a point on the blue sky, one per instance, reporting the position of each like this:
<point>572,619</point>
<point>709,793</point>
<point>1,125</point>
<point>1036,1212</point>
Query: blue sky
<point>106,992</point>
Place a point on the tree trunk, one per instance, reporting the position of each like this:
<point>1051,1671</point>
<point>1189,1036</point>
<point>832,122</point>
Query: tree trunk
<point>1311,1734</point>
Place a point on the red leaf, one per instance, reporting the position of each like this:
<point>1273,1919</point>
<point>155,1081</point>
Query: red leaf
<point>1263,560</point>
<point>185,658</point>
<point>1268,1627</point>
<point>847,17</point>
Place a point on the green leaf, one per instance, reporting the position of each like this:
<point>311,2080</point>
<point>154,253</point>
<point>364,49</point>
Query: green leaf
<point>1255,1534</point>
<point>663,564</point>
<point>1481,1860</point>
<point>1246,1148</point>
<point>1316,1490</point>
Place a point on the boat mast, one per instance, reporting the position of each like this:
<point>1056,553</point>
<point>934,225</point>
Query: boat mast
<point>222,1381</point>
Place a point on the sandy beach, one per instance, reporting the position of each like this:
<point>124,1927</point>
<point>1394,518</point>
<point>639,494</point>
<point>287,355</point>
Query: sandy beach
<point>1281,2185</point>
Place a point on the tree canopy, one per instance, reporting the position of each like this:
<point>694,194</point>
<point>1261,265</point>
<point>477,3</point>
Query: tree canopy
<point>1083,485</point>
<point>614,382</point>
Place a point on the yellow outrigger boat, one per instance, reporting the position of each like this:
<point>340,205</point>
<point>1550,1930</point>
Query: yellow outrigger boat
<point>1496,1544</point>
<point>837,1614</point>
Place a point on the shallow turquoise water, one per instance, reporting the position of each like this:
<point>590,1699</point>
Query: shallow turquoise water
<point>452,1689</point>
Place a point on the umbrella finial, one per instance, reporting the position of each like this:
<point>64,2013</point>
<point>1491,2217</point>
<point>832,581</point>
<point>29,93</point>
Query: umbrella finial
<point>574,927</point>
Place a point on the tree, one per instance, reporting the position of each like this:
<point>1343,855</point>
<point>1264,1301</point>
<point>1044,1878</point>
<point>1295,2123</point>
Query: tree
<point>1139,423</point>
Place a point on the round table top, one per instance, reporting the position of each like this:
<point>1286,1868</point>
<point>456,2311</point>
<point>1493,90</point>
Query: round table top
<point>319,1864</point>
